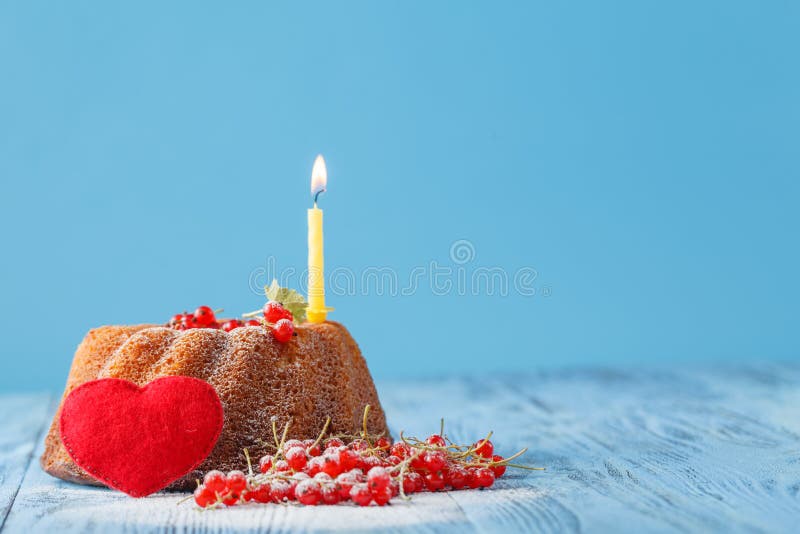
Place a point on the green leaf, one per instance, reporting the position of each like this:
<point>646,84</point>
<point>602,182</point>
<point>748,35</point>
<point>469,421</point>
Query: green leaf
<point>289,299</point>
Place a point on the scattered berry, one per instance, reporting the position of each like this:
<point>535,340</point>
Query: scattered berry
<point>364,471</point>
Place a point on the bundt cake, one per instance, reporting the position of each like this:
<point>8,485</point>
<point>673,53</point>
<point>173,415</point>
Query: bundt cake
<point>320,373</point>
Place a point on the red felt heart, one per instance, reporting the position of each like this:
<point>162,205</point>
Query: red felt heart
<point>139,440</point>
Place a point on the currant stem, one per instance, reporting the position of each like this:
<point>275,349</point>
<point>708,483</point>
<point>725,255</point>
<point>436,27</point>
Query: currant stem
<point>529,468</point>
<point>321,434</point>
<point>249,463</point>
<point>366,436</point>
<point>275,434</point>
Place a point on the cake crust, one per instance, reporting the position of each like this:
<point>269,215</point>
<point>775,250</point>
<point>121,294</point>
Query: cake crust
<point>320,373</point>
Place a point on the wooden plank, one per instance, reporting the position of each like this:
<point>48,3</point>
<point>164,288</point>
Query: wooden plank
<point>22,420</point>
<point>714,450</point>
<point>47,504</point>
<point>691,450</point>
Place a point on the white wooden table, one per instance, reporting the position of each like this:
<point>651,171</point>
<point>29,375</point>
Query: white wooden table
<point>702,450</point>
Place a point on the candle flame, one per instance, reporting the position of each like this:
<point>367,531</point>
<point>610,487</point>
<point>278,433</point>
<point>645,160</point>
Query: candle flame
<point>319,177</point>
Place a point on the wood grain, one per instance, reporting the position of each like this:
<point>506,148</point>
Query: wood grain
<point>659,450</point>
<point>22,420</point>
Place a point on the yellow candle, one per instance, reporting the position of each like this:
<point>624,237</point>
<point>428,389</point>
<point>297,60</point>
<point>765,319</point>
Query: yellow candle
<point>317,312</point>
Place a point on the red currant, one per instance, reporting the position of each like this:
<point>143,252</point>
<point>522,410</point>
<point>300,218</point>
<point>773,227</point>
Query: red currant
<point>331,494</point>
<point>348,459</point>
<point>315,465</point>
<point>312,447</point>
<point>419,481</point>
<point>359,445</point>
<point>296,457</point>
<point>262,494</point>
<point>274,312</point>
<point>361,495</point>
<point>408,484</point>
<point>381,495</point>
<point>231,499</point>
<point>434,481</point>
<point>253,322</point>
<point>281,466</point>
<point>378,478</point>
<point>484,477</point>
<point>237,482</point>
<point>455,477</point>
<point>401,450</point>
<point>278,490</point>
<point>472,478</point>
<point>308,492</point>
<point>334,443</point>
<point>498,470</point>
<point>232,325</point>
<point>187,322</point>
<point>265,463</point>
<point>418,462</point>
<point>283,330</point>
<point>330,464</point>
<point>204,316</point>
<point>204,497</point>
<point>436,440</point>
<point>484,448</point>
<point>345,482</point>
<point>368,462</point>
<point>215,481</point>
<point>323,478</point>
<point>435,460</point>
<point>291,443</point>
<point>383,443</point>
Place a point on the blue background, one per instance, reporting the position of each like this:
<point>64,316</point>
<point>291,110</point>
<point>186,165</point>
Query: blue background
<point>641,156</point>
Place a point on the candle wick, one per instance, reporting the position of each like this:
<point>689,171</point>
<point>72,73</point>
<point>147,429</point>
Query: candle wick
<point>316,196</point>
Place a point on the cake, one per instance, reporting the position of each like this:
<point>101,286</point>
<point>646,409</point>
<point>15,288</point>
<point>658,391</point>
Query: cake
<point>320,373</point>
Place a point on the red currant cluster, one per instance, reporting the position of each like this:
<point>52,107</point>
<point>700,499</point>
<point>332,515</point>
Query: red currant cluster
<point>364,471</point>
<point>276,318</point>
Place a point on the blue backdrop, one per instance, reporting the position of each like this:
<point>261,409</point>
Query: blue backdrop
<point>640,157</point>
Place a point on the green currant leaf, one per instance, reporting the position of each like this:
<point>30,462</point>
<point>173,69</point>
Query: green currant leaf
<point>289,299</point>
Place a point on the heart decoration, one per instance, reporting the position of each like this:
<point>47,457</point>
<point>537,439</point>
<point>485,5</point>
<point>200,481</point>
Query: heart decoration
<point>141,439</point>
